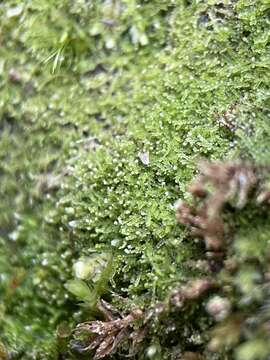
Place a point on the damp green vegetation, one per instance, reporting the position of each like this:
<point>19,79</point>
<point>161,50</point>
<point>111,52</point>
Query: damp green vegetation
<point>106,107</point>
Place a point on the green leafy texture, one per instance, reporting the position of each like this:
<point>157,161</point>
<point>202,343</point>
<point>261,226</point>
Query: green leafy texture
<point>85,88</point>
<point>95,272</point>
<point>80,289</point>
<point>256,349</point>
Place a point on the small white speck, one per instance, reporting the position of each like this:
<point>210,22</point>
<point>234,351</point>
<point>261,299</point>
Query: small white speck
<point>144,157</point>
<point>44,262</point>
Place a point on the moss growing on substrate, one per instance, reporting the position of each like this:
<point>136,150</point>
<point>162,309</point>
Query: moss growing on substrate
<point>105,109</point>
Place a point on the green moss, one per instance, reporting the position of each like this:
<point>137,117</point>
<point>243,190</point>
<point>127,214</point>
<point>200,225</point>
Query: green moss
<point>87,90</point>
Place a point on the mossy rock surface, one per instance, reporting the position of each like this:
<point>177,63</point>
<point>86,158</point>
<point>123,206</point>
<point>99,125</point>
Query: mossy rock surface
<point>106,108</point>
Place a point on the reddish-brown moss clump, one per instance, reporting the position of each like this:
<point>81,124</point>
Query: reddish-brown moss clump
<point>241,306</point>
